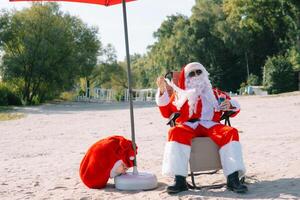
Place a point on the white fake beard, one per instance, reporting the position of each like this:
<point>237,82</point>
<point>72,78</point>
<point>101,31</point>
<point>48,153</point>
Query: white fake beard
<point>200,87</point>
<point>196,87</point>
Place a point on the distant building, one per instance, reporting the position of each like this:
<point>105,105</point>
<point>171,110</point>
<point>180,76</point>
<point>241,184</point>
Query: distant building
<point>258,90</point>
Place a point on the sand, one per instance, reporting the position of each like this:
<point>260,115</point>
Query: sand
<point>40,153</point>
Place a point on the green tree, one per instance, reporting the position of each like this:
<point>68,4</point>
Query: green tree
<point>207,20</point>
<point>109,73</point>
<point>45,50</point>
<point>171,51</point>
<point>231,38</point>
<point>279,75</point>
<point>88,47</point>
<point>253,80</point>
<point>140,71</point>
<point>258,29</point>
<point>294,58</point>
<point>8,96</point>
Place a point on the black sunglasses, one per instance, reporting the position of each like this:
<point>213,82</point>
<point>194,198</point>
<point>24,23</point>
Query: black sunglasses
<point>195,73</point>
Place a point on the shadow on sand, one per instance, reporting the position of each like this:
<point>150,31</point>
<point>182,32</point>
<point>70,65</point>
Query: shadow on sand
<point>284,188</point>
<point>287,188</point>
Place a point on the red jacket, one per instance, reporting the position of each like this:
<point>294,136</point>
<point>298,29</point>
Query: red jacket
<point>168,109</point>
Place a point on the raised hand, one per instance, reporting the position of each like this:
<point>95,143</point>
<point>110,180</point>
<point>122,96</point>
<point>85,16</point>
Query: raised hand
<point>161,84</point>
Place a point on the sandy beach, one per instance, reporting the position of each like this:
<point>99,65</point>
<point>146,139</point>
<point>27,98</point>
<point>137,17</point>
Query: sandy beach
<point>40,153</point>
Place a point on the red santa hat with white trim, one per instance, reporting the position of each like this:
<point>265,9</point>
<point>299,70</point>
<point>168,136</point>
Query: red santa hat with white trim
<point>102,157</point>
<point>187,69</point>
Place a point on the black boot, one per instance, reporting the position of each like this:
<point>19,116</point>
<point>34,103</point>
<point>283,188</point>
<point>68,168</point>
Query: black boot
<point>179,185</point>
<point>234,184</point>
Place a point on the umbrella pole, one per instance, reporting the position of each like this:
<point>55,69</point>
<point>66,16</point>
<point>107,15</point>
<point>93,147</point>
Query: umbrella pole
<point>141,180</point>
<point>129,85</point>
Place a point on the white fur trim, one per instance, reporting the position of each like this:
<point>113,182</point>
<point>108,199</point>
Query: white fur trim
<point>232,158</point>
<point>176,159</point>
<point>162,100</point>
<point>235,104</point>
<point>131,157</point>
<point>191,67</point>
<point>207,112</point>
<point>192,125</point>
<point>208,124</point>
<point>113,172</point>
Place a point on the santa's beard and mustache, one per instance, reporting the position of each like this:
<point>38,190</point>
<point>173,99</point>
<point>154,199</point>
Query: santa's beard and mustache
<point>197,87</point>
<point>203,88</point>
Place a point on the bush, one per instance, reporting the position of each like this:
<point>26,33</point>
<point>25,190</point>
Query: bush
<point>81,92</point>
<point>253,80</point>
<point>68,96</point>
<point>8,97</point>
<point>294,58</point>
<point>119,95</point>
<point>278,75</point>
<point>243,88</point>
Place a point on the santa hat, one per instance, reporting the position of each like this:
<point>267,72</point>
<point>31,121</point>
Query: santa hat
<point>104,156</point>
<point>187,69</point>
<point>189,94</point>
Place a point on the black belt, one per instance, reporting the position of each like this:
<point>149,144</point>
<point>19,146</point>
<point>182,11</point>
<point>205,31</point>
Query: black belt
<point>193,120</point>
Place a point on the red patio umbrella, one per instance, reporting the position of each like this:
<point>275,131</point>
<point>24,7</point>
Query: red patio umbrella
<point>100,2</point>
<point>145,181</point>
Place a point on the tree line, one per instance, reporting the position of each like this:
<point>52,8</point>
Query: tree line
<point>44,51</point>
<point>236,40</point>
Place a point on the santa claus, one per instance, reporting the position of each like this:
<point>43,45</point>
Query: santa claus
<point>200,108</point>
<point>106,159</point>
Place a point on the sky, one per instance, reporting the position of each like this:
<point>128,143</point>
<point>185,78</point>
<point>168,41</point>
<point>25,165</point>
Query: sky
<point>143,16</point>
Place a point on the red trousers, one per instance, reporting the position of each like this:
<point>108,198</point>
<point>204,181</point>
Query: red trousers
<point>220,134</point>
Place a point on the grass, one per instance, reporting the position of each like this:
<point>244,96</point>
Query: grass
<point>4,108</point>
<point>7,113</point>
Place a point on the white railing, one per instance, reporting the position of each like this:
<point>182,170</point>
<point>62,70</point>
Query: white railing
<point>110,95</point>
<point>141,94</point>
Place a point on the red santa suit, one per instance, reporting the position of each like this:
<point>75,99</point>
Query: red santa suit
<point>103,158</point>
<point>198,118</point>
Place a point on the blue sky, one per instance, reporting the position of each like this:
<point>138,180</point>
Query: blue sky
<point>144,17</point>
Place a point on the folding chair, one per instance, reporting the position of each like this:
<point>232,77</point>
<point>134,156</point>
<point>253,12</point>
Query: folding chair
<point>200,163</point>
<point>208,162</point>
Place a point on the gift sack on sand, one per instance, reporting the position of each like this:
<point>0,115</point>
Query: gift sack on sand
<point>102,158</point>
